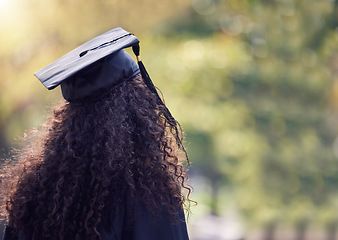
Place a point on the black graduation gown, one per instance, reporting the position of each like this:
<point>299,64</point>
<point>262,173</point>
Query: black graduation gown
<point>142,226</point>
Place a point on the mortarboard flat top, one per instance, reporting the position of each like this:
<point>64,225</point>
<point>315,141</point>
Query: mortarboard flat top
<point>88,53</point>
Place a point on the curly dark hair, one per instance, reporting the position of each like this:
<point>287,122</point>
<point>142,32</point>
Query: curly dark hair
<point>89,157</point>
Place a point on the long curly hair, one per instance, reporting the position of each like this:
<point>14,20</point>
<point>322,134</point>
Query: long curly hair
<point>89,156</point>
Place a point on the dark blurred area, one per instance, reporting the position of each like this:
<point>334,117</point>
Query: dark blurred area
<point>254,84</point>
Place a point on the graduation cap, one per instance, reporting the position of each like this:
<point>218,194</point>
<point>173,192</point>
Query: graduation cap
<point>96,66</point>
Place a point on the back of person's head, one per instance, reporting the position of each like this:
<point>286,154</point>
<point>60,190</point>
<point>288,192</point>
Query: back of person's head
<point>113,137</point>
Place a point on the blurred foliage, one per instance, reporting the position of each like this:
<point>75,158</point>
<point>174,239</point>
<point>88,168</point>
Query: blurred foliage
<point>254,84</point>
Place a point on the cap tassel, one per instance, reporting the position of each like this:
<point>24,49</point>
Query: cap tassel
<point>152,88</point>
<point>149,83</point>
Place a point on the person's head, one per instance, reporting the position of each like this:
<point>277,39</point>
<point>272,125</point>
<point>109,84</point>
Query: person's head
<point>91,154</point>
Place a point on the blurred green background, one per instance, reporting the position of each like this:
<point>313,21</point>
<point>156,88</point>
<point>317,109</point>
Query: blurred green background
<point>254,84</point>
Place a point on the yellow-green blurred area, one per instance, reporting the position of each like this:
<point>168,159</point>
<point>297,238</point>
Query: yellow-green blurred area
<point>254,84</point>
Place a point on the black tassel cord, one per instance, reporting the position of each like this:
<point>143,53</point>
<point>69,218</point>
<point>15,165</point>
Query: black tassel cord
<point>171,120</point>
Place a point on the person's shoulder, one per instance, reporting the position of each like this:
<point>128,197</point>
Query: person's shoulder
<point>159,225</point>
<point>132,220</point>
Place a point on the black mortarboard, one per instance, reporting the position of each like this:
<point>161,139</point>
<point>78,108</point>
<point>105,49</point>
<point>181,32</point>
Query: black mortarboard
<point>96,66</point>
<point>93,67</point>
